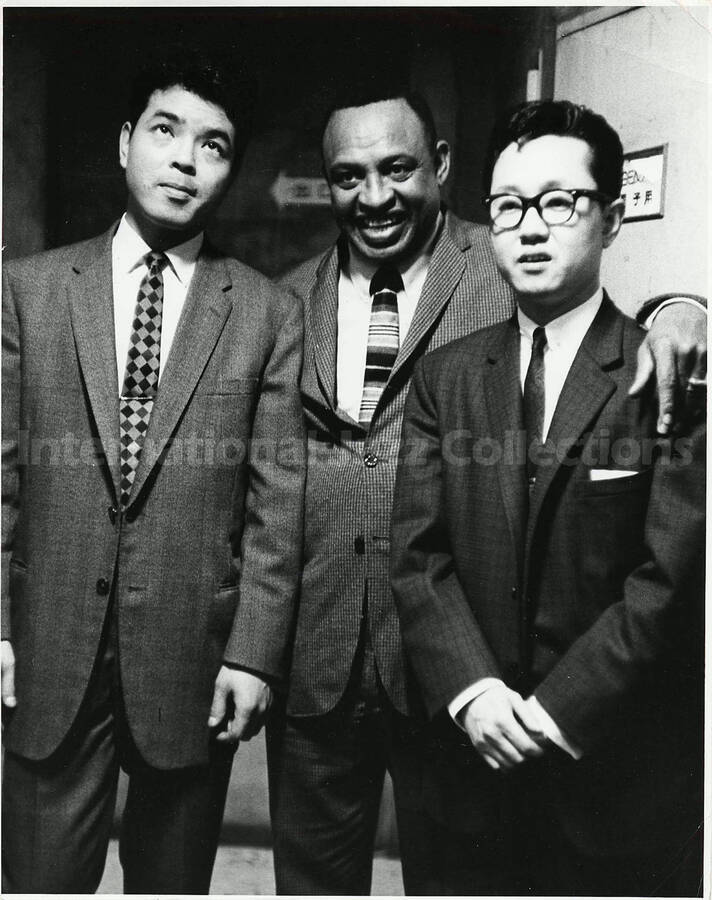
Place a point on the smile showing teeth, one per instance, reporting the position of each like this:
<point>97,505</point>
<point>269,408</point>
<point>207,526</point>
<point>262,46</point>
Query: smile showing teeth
<point>388,223</point>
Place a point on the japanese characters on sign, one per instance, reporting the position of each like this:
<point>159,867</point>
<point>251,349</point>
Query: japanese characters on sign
<point>644,184</point>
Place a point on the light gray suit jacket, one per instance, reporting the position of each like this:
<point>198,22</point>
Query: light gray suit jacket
<point>203,564</point>
<point>351,473</point>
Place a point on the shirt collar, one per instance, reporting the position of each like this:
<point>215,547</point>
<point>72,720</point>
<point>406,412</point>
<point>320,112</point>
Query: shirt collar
<point>360,270</point>
<point>129,249</point>
<point>572,325</point>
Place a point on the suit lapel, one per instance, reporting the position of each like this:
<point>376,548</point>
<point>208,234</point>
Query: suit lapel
<point>586,389</point>
<point>444,272</point>
<point>206,310</point>
<point>503,398</point>
<point>319,379</point>
<point>91,308</point>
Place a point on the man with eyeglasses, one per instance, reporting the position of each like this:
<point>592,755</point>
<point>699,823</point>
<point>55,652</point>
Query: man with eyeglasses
<point>548,557</point>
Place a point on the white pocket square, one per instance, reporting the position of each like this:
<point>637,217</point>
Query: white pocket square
<point>606,474</point>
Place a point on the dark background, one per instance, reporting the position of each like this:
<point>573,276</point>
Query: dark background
<point>67,75</point>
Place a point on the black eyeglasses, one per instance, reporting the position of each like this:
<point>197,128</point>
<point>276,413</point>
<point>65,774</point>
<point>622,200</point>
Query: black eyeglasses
<point>554,206</point>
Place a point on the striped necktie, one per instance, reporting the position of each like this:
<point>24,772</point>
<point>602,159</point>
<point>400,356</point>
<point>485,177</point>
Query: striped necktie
<point>382,347</point>
<point>142,368</point>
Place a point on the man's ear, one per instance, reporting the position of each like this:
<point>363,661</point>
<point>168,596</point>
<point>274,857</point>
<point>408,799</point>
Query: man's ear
<point>124,138</point>
<point>442,161</point>
<point>612,221</point>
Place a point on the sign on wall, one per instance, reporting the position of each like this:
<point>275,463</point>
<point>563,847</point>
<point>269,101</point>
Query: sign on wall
<point>644,184</point>
<point>302,191</point>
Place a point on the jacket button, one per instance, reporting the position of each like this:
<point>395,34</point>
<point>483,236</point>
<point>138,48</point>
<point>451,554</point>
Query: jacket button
<point>102,587</point>
<point>359,545</point>
<point>113,512</point>
<point>370,460</point>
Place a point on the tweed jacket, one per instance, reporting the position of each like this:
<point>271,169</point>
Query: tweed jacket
<point>588,593</point>
<point>351,473</point>
<point>203,563</point>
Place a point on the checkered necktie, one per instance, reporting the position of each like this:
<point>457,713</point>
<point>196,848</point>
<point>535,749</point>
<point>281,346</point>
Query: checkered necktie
<point>142,367</point>
<point>534,400</point>
<point>382,346</point>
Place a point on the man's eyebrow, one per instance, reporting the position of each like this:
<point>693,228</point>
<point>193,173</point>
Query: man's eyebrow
<point>164,114</point>
<point>394,157</point>
<point>554,185</point>
<point>345,164</point>
<point>218,133</point>
<point>386,161</point>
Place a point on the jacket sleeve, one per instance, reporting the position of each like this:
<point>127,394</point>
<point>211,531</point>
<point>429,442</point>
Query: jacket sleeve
<point>11,383</point>
<point>272,536</point>
<point>649,306</point>
<point>444,643</point>
<point>657,623</point>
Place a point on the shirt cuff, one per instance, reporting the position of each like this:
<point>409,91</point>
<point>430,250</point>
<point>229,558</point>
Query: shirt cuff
<point>269,680</point>
<point>470,693</point>
<point>552,730</point>
<point>651,317</point>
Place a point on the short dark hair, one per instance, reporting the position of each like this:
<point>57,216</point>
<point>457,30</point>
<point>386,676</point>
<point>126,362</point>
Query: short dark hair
<point>561,117</point>
<point>227,87</point>
<point>363,95</point>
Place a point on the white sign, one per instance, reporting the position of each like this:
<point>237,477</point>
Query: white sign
<point>290,190</point>
<point>644,184</point>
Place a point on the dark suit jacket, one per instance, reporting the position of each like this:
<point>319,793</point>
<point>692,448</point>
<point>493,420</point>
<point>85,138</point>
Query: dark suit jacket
<point>594,601</point>
<point>204,561</point>
<point>351,474</point>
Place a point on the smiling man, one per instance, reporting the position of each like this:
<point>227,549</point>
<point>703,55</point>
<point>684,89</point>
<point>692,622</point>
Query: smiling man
<point>405,277</point>
<point>149,586</point>
<point>552,596</point>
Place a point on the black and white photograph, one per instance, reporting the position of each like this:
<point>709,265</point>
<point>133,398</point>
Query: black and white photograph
<point>354,404</point>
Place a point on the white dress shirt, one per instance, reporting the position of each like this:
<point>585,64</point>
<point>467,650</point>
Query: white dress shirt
<point>563,339</point>
<point>128,269</point>
<point>354,316</point>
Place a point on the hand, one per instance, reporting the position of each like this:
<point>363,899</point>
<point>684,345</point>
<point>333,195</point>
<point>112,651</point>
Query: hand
<point>240,701</point>
<point>676,349</point>
<point>502,728</point>
<point>7,660</point>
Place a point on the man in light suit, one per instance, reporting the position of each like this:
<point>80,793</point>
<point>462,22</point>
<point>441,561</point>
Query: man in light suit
<point>150,571</point>
<point>548,557</point>
<point>350,712</point>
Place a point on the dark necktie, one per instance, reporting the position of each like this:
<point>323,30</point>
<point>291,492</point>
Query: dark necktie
<point>534,401</point>
<point>382,346</point>
<point>142,368</point>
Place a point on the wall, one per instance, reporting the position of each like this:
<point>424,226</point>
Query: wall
<point>24,147</point>
<point>67,73</point>
<point>647,70</point>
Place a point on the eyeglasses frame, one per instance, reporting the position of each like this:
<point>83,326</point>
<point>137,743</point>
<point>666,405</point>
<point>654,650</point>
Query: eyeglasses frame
<point>528,202</point>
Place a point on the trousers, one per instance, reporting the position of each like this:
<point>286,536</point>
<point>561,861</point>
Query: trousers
<point>326,778</point>
<point>57,813</point>
<point>526,850</point>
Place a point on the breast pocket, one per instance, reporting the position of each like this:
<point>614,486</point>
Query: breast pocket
<point>217,425</point>
<point>225,385</point>
<point>610,530</point>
